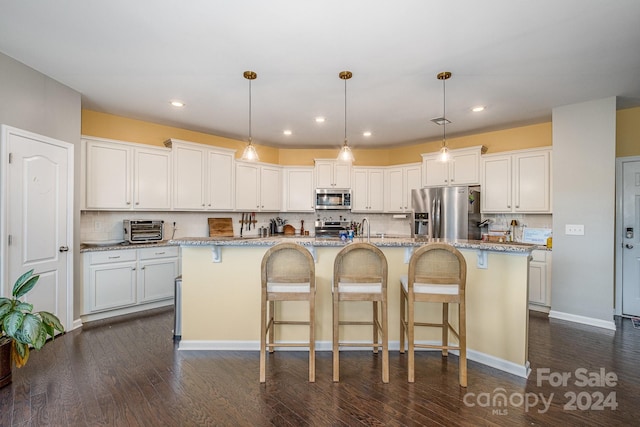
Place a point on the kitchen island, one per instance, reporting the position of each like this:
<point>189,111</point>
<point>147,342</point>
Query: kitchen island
<point>221,296</point>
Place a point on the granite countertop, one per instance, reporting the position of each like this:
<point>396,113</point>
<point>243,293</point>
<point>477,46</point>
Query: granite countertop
<point>84,247</point>
<point>333,242</point>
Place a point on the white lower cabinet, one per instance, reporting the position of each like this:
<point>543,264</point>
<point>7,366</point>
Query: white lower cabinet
<point>540,280</point>
<point>158,268</point>
<point>124,281</point>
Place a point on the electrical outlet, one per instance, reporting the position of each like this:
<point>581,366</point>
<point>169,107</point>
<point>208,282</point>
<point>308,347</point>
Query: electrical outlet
<point>97,226</point>
<point>574,229</point>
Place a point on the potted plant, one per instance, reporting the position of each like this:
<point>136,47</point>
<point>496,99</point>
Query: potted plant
<point>21,329</point>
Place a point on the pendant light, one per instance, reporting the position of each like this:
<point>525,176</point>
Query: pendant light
<point>250,152</point>
<point>345,154</point>
<point>444,151</point>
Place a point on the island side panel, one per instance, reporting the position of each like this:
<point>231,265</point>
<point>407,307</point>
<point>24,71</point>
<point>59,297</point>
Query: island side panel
<point>221,301</point>
<point>497,306</point>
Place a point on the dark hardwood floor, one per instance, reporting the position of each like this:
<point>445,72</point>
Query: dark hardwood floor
<point>129,373</point>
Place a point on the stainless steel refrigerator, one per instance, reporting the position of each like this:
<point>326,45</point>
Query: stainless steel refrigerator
<point>447,212</point>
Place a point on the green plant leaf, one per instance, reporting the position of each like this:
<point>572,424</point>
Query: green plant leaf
<point>20,354</point>
<point>31,325</point>
<point>41,339</point>
<point>24,306</point>
<point>5,306</point>
<point>12,322</point>
<point>25,287</point>
<point>49,329</point>
<point>22,279</point>
<point>52,320</point>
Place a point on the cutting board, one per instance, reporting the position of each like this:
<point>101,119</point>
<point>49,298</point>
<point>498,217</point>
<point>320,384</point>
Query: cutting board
<point>220,227</point>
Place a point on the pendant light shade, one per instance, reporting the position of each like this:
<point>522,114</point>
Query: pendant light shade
<point>345,154</point>
<point>250,152</point>
<point>444,151</point>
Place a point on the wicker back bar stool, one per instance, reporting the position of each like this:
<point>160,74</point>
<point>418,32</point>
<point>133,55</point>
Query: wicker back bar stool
<point>437,274</point>
<point>288,274</point>
<point>360,274</point>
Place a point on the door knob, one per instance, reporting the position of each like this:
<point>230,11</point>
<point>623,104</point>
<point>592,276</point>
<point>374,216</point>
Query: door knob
<point>64,248</point>
<point>628,246</point>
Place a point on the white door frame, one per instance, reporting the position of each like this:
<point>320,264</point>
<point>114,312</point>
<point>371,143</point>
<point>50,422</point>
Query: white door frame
<point>619,230</point>
<point>5,285</point>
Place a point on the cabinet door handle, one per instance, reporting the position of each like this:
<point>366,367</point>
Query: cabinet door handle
<point>160,253</point>
<point>137,203</point>
<point>142,268</point>
<point>133,269</point>
<point>114,257</point>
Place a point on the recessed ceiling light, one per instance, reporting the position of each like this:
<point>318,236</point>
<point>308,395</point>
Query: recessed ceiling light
<point>320,119</point>
<point>287,132</point>
<point>478,108</point>
<point>177,103</point>
<point>366,133</point>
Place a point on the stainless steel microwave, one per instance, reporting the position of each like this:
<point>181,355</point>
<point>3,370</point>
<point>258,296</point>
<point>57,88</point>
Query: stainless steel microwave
<point>332,198</point>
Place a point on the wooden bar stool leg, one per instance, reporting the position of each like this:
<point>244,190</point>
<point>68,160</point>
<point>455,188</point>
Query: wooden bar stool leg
<point>402,318</point>
<point>336,337</point>
<point>385,343</point>
<point>462,328</point>
<point>410,337</point>
<point>263,337</point>
<point>375,327</point>
<point>312,339</point>
<point>445,328</point>
<point>272,328</point>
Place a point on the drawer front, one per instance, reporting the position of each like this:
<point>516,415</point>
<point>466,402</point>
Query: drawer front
<point>104,257</point>
<point>539,256</point>
<point>159,252</point>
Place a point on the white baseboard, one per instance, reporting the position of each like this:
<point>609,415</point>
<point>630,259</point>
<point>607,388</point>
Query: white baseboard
<point>539,308</point>
<point>76,324</point>
<point>476,356</point>
<point>606,324</point>
<point>92,317</point>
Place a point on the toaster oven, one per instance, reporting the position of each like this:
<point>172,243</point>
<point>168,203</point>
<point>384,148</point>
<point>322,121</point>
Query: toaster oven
<point>143,231</point>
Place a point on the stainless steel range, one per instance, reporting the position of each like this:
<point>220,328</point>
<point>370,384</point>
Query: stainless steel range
<point>330,228</point>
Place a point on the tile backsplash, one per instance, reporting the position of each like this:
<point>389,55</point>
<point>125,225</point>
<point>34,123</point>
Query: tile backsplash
<point>107,225</point>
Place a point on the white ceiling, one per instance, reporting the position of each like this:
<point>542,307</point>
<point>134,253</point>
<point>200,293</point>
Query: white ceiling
<point>518,58</point>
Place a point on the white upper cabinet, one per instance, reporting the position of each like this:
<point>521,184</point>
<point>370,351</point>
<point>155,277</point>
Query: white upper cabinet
<point>517,182</point>
<point>368,190</point>
<point>463,168</point>
<point>398,183</point>
<point>203,176</point>
<point>220,182</point>
<point>332,174</point>
<point>298,189</point>
<point>258,187</point>
<point>125,176</point>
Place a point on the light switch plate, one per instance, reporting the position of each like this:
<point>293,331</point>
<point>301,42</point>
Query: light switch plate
<point>574,229</point>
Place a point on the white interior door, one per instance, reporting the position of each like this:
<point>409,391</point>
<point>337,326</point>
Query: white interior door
<point>38,210</point>
<point>631,238</point>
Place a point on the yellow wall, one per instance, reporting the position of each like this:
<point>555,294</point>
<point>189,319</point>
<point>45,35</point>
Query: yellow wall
<point>628,132</point>
<point>538,135</point>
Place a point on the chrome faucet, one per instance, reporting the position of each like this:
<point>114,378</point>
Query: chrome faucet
<point>368,229</point>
